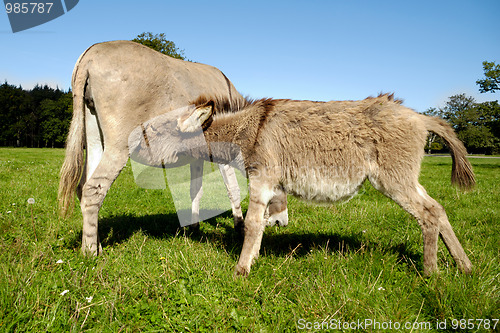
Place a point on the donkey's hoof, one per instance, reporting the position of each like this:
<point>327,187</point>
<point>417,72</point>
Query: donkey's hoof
<point>432,270</point>
<point>240,229</point>
<point>238,222</point>
<point>465,266</point>
<point>241,271</point>
<point>194,227</point>
<point>91,250</point>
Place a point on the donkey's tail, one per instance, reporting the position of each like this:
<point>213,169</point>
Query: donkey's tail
<point>461,173</point>
<point>72,167</point>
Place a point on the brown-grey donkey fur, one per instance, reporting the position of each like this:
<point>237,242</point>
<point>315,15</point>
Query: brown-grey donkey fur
<point>324,151</point>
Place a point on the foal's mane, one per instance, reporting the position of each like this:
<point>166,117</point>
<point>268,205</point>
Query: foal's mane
<point>223,104</point>
<point>386,97</point>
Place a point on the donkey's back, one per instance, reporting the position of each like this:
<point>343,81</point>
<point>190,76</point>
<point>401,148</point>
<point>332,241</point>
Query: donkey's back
<point>332,147</point>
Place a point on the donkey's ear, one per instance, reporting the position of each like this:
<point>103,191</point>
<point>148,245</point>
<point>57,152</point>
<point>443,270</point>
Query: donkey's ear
<point>194,120</point>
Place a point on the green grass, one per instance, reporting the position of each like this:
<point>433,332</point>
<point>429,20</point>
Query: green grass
<point>347,262</point>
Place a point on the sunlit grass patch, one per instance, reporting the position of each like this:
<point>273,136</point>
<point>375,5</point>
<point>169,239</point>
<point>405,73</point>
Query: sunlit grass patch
<point>356,260</point>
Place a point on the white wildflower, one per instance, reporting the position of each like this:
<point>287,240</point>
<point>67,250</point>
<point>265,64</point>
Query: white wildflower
<point>59,261</point>
<point>381,288</point>
<point>64,292</point>
<point>31,201</point>
<point>89,299</point>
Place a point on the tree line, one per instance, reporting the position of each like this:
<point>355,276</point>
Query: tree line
<point>40,117</point>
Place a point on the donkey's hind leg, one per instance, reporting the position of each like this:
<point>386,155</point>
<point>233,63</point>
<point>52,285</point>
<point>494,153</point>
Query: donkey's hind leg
<point>448,235</point>
<point>94,148</point>
<point>93,193</point>
<point>433,221</point>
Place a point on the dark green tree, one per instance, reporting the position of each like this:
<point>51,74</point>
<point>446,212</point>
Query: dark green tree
<point>55,117</point>
<point>491,82</point>
<point>475,123</point>
<point>490,116</point>
<point>34,117</point>
<point>160,43</point>
<point>14,108</point>
<point>433,141</point>
<point>459,111</point>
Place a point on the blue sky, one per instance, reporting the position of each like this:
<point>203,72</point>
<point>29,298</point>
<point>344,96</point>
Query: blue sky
<point>424,51</point>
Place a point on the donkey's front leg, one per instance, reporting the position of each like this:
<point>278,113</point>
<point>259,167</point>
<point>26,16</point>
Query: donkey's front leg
<point>254,227</point>
<point>196,191</point>
<point>233,191</point>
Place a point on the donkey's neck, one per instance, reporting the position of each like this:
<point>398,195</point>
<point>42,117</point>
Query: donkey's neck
<point>239,129</point>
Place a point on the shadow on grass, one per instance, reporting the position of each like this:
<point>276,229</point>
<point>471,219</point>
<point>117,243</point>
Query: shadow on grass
<point>486,166</point>
<point>303,243</point>
<point>117,229</point>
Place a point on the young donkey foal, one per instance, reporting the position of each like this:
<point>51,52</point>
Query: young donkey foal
<point>324,151</point>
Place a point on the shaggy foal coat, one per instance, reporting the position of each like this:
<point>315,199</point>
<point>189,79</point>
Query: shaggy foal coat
<point>324,151</point>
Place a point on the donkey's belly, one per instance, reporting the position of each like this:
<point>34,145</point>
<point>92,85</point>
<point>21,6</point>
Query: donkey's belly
<point>313,187</point>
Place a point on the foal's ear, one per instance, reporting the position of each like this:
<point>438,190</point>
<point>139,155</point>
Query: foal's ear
<point>194,120</point>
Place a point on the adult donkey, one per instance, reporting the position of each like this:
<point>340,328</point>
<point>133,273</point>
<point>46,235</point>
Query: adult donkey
<point>116,87</point>
<point>324,151</point>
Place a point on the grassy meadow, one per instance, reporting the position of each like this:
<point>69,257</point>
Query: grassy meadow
<point>334,265</point>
